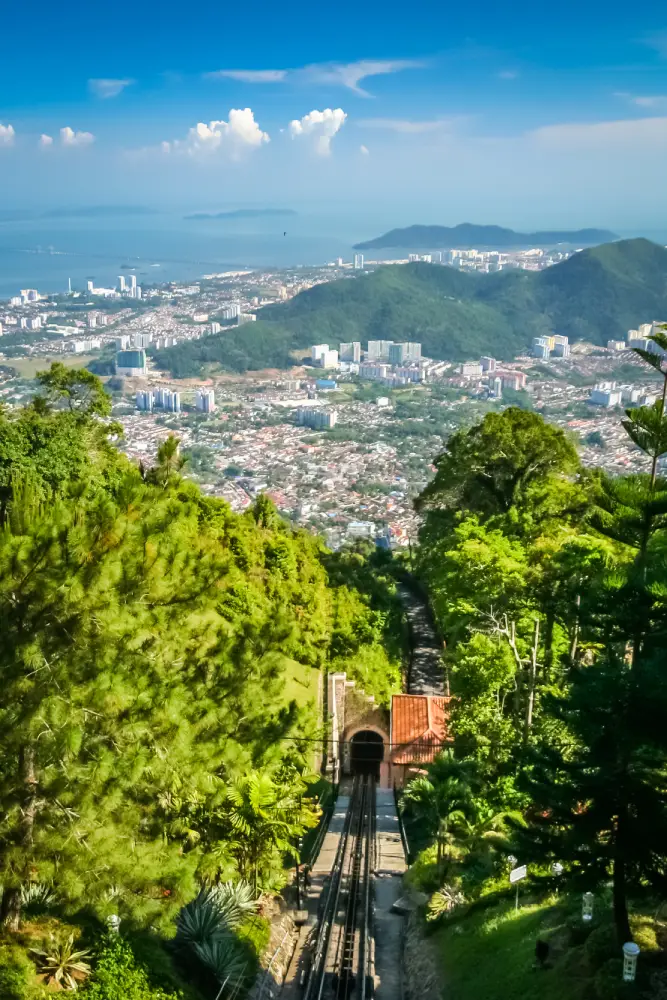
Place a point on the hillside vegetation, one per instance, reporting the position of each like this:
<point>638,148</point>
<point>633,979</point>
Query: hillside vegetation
<point>158,724</point>
<point>548,582</point>
<point>469,236</point>
<point>596,295</point>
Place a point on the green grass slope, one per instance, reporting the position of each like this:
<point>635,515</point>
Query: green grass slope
<point>596,295</point>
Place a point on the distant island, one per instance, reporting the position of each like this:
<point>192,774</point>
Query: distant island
<point>469,236</point>
<point>244,213</point>
<point>97,211</point>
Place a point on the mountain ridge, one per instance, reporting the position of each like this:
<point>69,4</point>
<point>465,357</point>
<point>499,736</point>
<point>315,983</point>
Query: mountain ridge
<point>595,295</point>
<point>468,235</point>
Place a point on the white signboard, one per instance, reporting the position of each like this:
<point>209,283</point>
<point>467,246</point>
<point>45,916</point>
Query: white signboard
<point>518,873</point>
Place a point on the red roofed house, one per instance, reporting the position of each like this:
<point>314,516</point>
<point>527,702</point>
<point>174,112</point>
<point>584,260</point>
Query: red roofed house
<point>418,727</point>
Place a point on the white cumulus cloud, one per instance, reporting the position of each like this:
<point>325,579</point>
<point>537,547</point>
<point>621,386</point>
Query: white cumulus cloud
<point>322,125</point>
<point>7,135</point>
<point>45,140</point>
<point>69,137</point>
<point>249,75</point>
<point>108,88</point>
<point>240,133</point>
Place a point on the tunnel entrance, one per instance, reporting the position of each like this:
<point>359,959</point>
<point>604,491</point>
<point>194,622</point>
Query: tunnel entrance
<point>366,753</point>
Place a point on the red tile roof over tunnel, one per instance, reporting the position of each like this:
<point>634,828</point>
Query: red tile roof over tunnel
<point>418,727</point>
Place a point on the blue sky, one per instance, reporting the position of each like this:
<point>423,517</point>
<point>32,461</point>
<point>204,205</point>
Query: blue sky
<point>520,113</point>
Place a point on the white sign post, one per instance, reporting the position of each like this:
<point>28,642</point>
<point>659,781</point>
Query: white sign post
<point>515,877</point>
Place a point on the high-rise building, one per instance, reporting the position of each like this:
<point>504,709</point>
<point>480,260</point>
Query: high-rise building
<point>397,354</point>
<point>617,345</point>
<point>358,262</point>
<point>471,368</point>
<point>90,285</point>
<point>206,400</point>
<point>373,371</point>
<point>316,417</point>
<point>122,343</point>
<point>133,283</point>
<point>513,380</point>
<point>145,400</point>
<point>131,363</point>
<point>488,364</point>
<point>413,351</point>
<point>378,350</point>
<point>317,352</point>
<point>215,328</point>
<point>350,352</point>
<point>142,340</point>
<point>497,387</point>
<point>329,359</point>
<point>232,311</point>
<point>605,394</point>
<point>121,283</point>
<point>172,402</point>
<point>561,350</point>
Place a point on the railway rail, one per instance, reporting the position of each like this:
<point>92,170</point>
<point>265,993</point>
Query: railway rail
<point>342,955</point>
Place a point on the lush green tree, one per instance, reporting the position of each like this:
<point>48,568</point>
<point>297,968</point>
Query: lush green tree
<point>441,801</point>
<point>494,466</point>
<point>599,795</point>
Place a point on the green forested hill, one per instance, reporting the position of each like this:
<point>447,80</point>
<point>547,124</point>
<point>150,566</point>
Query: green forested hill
<point>596,295</point>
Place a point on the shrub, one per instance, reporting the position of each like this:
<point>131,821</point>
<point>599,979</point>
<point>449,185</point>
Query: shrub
<point>602,945</point>
<point>609,983</point>
<point>16,973</point>
<point>117,975</point>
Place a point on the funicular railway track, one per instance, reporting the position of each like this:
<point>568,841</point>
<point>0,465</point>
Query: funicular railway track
<point>341,961</point>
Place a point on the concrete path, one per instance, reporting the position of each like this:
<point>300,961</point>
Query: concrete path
<point>426,673</point>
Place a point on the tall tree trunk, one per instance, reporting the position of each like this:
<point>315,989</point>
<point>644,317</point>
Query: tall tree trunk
<point>574,634</point>
<point>548,645</point>
<point>532,681</point>
<point>10,909</point>
<point>619,891</point>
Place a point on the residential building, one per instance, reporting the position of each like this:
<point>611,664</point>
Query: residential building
<point>397,354</point>
<point>35,323</point>
<point>605,394</point>
<point>513,380</point>
<point>329,359</point>
<point>232,311</point>
<point>373,371</point>
<point>316,417</point>
<point>358,262</point>
<point>488,364</point>
<point>471,368</point>
<point>122,343</point>
<point>378,350</point>
<point>350,352</point>
<point>145,400</point>
<point>131,363</point>
<point>205,400</point>
<point>617,345</point>
<point>561,350</point>
<point>121,283</point>
<point>497,387</point>
<point>317,352</point>
<point>215,328</point>
<point>142,340</point>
